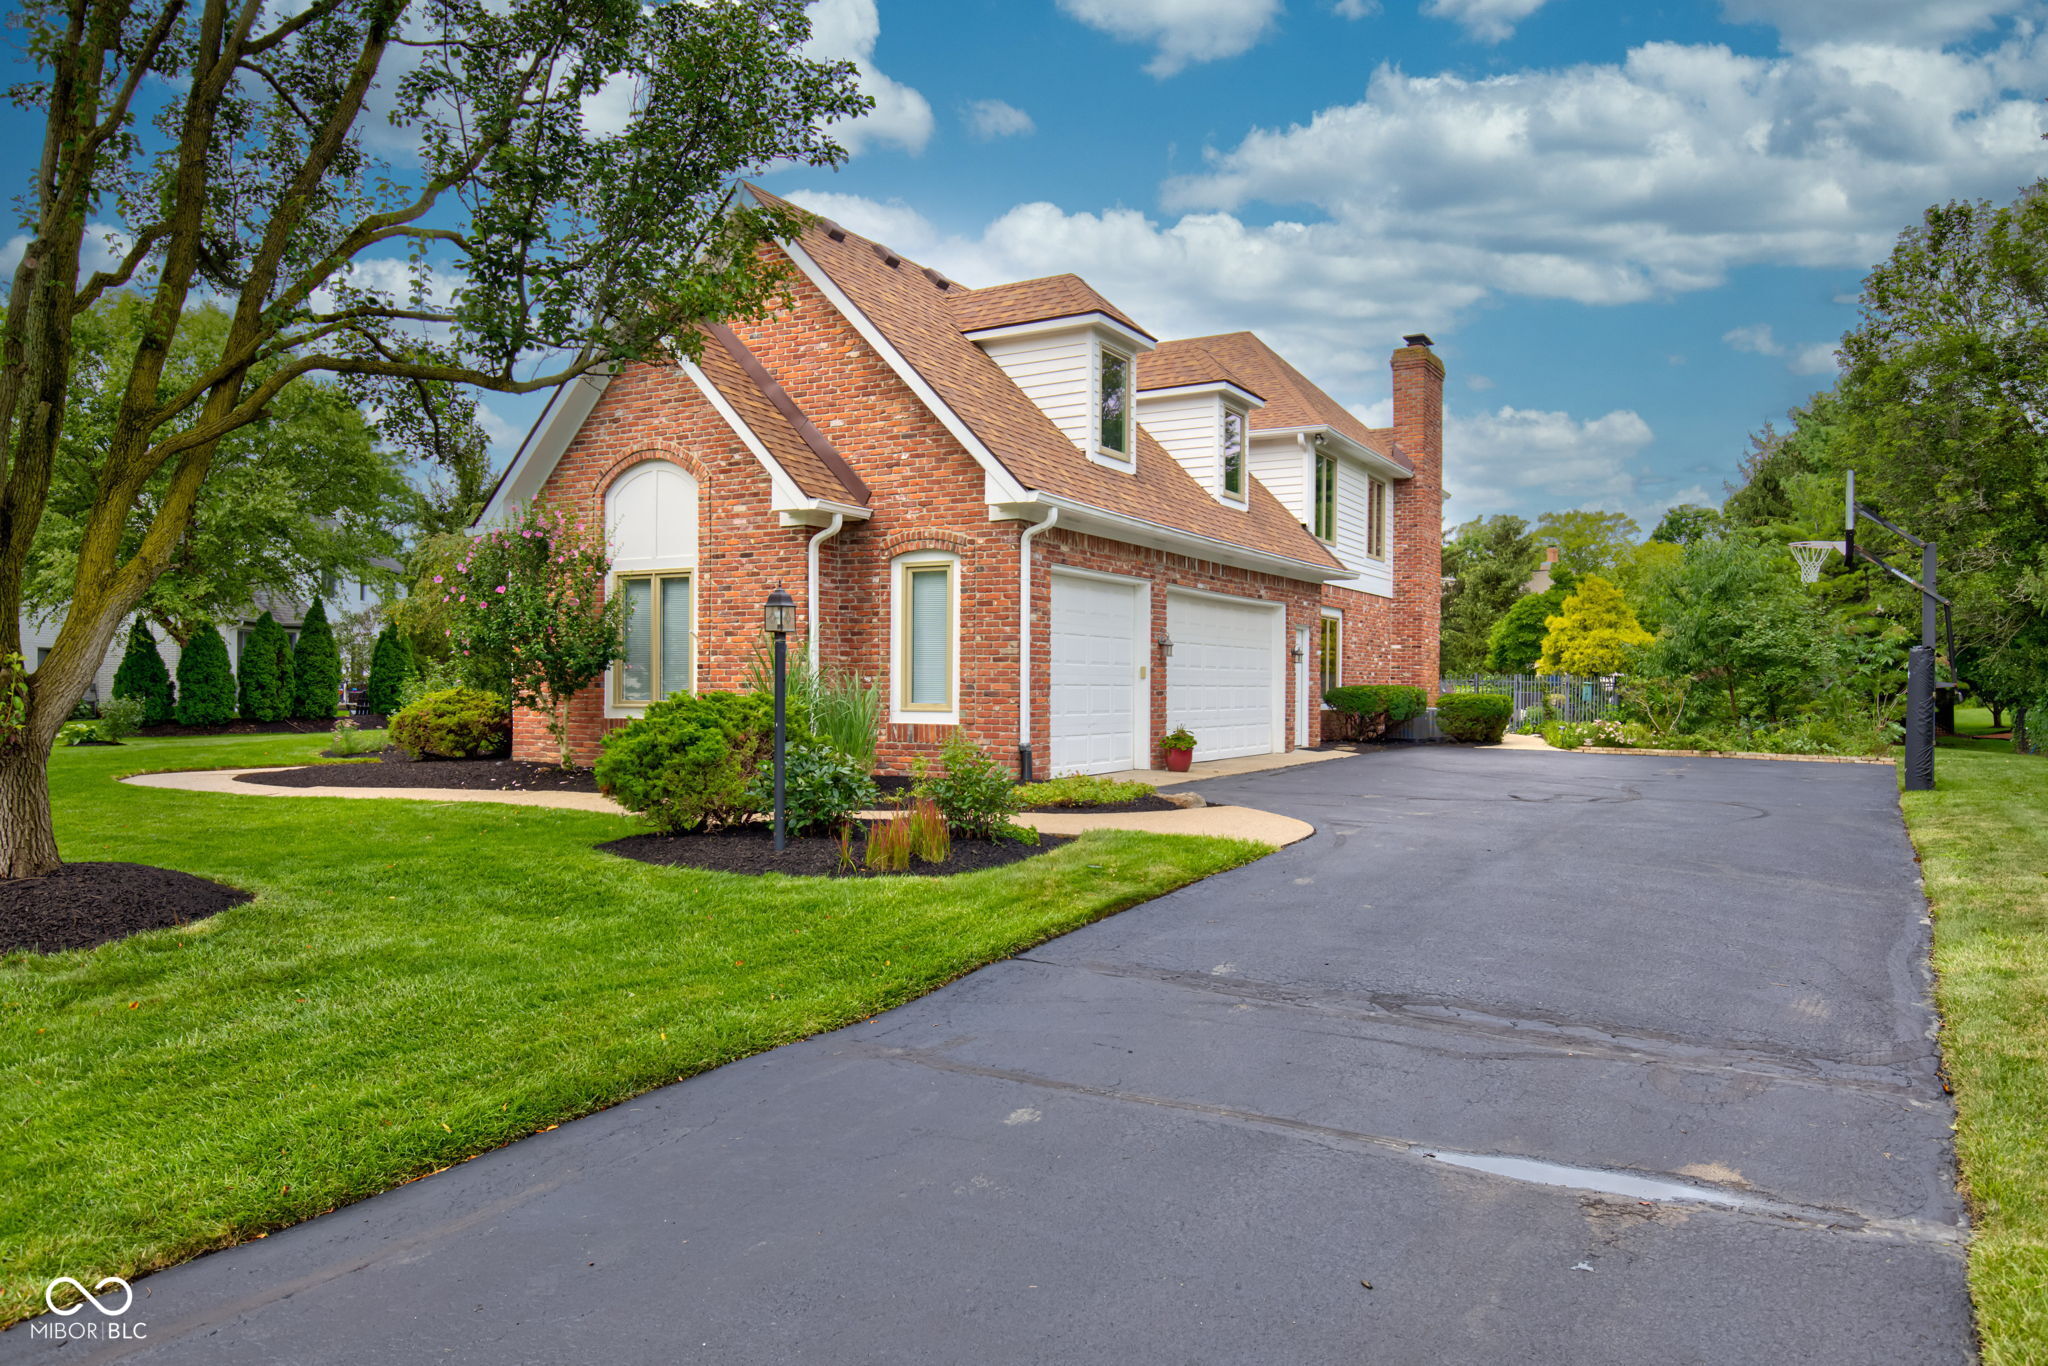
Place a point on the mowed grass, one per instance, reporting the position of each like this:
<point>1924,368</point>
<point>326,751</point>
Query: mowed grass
<point>1983,841</point>
<point>418,983</point>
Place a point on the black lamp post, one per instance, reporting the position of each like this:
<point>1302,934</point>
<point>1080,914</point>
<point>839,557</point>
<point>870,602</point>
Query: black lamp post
<point>779,616</point>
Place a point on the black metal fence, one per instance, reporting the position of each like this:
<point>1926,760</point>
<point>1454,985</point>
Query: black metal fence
<point>1546,697</point>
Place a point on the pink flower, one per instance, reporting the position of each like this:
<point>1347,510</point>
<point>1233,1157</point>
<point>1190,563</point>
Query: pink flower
<point>501,588</point>
<point>437,578</point>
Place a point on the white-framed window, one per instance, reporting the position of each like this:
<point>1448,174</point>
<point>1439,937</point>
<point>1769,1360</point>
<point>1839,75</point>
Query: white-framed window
<point>1330,652</point>
<point>1115,418</point>
<point>660,622</point>
<point>926,627</point>
<point>1230,454</point>
<point>1378,503</point>
<point>1325,511</point>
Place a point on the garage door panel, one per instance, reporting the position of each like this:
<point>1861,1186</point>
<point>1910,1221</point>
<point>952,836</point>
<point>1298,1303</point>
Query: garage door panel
<point>1220,681</point>
<point>1095,654</point>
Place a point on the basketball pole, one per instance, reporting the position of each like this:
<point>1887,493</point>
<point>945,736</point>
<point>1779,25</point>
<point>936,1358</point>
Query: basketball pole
<point>1920,682</point>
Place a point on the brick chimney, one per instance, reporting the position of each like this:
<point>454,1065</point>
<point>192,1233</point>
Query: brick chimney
<point>1418,503</point>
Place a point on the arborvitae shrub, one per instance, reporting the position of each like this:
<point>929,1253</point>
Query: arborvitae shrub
<point>316,668</point>
<point>142,675</point>
<point>206,685</point>
<point>267,672</point>
<point>390,666</point>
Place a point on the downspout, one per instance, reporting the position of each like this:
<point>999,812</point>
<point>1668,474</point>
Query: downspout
<point>1024,642</point>
<point>811,566</point>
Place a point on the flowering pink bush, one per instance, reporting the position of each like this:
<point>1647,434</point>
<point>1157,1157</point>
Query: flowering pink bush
<point>533,593</point>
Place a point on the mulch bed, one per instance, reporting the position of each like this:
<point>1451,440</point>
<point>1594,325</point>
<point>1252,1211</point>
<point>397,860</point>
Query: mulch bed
<point>84,904</point>
<point>474,775</point>
<point>751,849</point>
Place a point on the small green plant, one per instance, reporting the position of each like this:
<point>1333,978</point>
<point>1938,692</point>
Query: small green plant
<point>929,838</point>
<point>975,793</point>
<point>821,786</point>
<point>78,733</point>
<point>842,845</point>
<point>1178,739</point>
<point>888,849</point>
<point>1085,789</point>
<point>119,718</point>
<point>349,739</point>
<point>690,761</point>
<point>439,676</point>
<point>460,723</point>
<point>1474,717</point>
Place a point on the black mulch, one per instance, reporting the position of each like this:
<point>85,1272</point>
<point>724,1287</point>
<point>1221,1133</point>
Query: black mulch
<point>475,775</point>
<point>83,904</point>
<point>1151,801</point>
<point>751,849</point>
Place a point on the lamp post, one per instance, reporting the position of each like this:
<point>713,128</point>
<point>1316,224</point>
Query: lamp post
<point>779,616</point>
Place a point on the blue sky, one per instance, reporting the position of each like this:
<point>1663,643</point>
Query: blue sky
<point>1635,230</point>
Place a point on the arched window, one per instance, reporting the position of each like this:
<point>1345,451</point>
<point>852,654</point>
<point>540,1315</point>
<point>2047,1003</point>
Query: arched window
<point>650,517</point>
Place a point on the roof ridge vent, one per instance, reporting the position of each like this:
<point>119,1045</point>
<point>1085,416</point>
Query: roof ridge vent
<point>888,258</point>
<point>941,281</point>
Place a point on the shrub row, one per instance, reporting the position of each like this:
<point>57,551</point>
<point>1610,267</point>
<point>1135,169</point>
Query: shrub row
<point>1366,711</point>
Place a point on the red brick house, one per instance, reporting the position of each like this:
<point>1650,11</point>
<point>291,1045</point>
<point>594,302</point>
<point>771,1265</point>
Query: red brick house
<point>1024,513</point>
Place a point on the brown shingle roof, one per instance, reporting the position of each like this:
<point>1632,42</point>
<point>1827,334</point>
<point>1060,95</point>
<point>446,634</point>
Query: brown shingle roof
<point>1177,363</point>
<point>725,364</point>
<point>911,311</point>
<point>1030,301</point>
<point>1292,399</point>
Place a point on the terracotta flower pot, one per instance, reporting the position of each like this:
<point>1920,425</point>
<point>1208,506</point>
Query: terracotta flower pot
<point>1177,760</point>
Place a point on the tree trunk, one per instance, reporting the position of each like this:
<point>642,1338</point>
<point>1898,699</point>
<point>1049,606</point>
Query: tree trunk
<point>28,842</point>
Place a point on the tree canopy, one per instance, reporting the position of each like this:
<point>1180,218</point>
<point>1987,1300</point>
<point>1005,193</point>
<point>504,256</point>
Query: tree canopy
<point>1486,562</point>
<point>1594,632</point>
<point>1588,542</point>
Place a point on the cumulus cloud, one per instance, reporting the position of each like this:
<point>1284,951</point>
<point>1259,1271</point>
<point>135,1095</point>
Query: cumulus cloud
<point>103,247</point>
<point>1508,458</point>
<point>891,222</point>
<point>992,119</point>
<point>1182,32</point>
<point>1817,359</point>
<point>1490,21</point>
<point>848,29</point>
<point>1356,9</point>
<point>1905,22</point>
<point>1755,339</point>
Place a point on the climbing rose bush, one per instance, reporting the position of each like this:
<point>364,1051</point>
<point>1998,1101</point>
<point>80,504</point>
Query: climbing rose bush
<point>532,594</point>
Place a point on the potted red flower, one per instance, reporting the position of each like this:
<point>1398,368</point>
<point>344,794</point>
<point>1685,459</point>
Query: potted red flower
<point>1179,748</point>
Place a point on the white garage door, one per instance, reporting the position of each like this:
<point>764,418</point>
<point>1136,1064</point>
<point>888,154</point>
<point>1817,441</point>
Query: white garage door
<point>1095,656</point>
<point>1220,680</point>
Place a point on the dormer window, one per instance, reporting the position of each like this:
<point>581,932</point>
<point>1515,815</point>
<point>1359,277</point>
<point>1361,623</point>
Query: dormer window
<point>1231,448</point>
<point>1113,404</point>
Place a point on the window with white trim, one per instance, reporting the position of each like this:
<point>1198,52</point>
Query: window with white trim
<point>1379,501</point>
<point>658,633</point>
<point>1330,653</point>
<point>1114,438</point>
<point>1325,526</point>
<point>927,612</point>
<point>1230,471</point>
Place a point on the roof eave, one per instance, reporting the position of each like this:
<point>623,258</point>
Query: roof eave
<point>1079,516</point>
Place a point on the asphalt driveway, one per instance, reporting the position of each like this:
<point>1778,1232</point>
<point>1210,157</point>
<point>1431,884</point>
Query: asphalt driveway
<point>1570,1059</point>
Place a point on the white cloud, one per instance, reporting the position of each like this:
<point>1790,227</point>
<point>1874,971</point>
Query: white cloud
<point>1490,21</point>
<point>102,248</point>
<point>991,119</point>
<point>1183,31</point>
<point>1480,382</point>
<point>894,223</point>
<point>1519,457</point>
<point>1356,9</point>
<point>1905,22</point>
<point>1817,359</point>
<point>848,29</point>
<point>1755,339</point>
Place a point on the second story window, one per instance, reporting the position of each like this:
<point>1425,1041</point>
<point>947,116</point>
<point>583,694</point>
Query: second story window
<point>1325,525</point>
<point>1113,405</point>
<point>1377,503</point>
<point>1233,453</point>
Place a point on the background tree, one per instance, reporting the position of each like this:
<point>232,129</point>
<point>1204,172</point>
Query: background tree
<point>316,668</point>
<point>141,674</point>
<point>1595,632</point>
<point>355,640</point>
<point>1685,523</point>
<point>206,685</point>
<point>1487,561</point>
<point>1588,542</point>
<point>1516,642</point>
<point>513,244</point>
<point>390,666</point>
<point>267,683</point>
<point>1734,618</point>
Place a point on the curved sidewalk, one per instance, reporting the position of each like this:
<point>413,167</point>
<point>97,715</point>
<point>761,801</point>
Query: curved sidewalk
<point>1229,822</point>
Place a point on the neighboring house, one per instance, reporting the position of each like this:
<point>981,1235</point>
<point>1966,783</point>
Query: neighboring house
<point>1540,581</point>
<point>1024,513</point>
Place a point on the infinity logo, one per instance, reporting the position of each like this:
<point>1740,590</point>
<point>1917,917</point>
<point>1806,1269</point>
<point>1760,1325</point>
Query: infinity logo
<point>50,1291</point>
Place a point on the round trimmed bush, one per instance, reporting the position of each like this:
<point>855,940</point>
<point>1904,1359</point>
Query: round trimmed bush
<point>1474,718</point>
<point>690,762</point>
<point>457,723</point>
<point>821,785</point>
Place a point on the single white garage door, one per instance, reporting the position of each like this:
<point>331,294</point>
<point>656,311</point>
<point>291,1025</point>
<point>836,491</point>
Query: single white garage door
<point>1095,657</point>
<point>1221,682</point>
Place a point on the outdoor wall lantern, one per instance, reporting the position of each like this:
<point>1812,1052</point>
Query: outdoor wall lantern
<point>779,617</point>
<point>1165,644</point>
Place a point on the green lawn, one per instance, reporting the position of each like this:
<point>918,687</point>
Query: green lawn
<point>415,984</point>
<point>1983,841</point>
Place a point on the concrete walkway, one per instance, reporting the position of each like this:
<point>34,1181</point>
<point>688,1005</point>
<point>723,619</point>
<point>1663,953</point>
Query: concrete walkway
<point>1230,822</point>
<point>1566,1060</point>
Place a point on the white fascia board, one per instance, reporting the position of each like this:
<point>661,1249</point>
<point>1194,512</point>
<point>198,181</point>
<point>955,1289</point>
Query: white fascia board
<point>545,441</point>
<point>1099,323</point>
<point>819,511</point>
<point>1244,397</point>
<point>1344,446</point>
<point>998,477</point>
<point>1116,526</point>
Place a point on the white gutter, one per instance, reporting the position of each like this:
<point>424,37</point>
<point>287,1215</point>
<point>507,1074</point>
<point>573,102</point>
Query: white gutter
<point>1024,633</point>
<point>1195,545</point>
<point>811,564</point>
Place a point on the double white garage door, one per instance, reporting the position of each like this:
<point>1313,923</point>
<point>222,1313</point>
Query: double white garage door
<point>1223,679</point>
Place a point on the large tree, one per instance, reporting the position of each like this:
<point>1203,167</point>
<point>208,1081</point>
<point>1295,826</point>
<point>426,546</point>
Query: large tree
<point>1588,542</point>
<point>1486,563</point>
<point>562,197</point>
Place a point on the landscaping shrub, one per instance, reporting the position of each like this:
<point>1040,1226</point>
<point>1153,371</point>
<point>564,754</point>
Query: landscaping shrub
<point>888,849</point>
<point>1366,711</point>
<point>974,792</point>
<point>206,685</point>
<point>1085,789</point>
<point>142,675</point>
<point>929,838</point>
<point>390,667</point>
<point>458,723</point>
<point>690,761</point>
<point>1474,717</point>
<point>821,786</point>
<point>268,690</point>
<point>119,718</point>
<point>316,668</point>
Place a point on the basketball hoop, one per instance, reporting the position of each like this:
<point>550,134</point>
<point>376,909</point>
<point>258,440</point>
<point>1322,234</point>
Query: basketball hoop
<point>1811,556</point>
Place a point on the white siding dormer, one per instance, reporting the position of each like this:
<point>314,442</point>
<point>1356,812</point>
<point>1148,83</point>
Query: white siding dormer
<point>1356,543</point>
<point>1196,423</point>
<point>1279,464</point>
<point>1059,366</point>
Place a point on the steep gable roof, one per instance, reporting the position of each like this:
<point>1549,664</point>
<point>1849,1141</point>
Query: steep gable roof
<point>1292,398</point>
<point>1030,301</point>
<point>914,310</point>
<point>803,452</point>
<point>1176,363</point>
